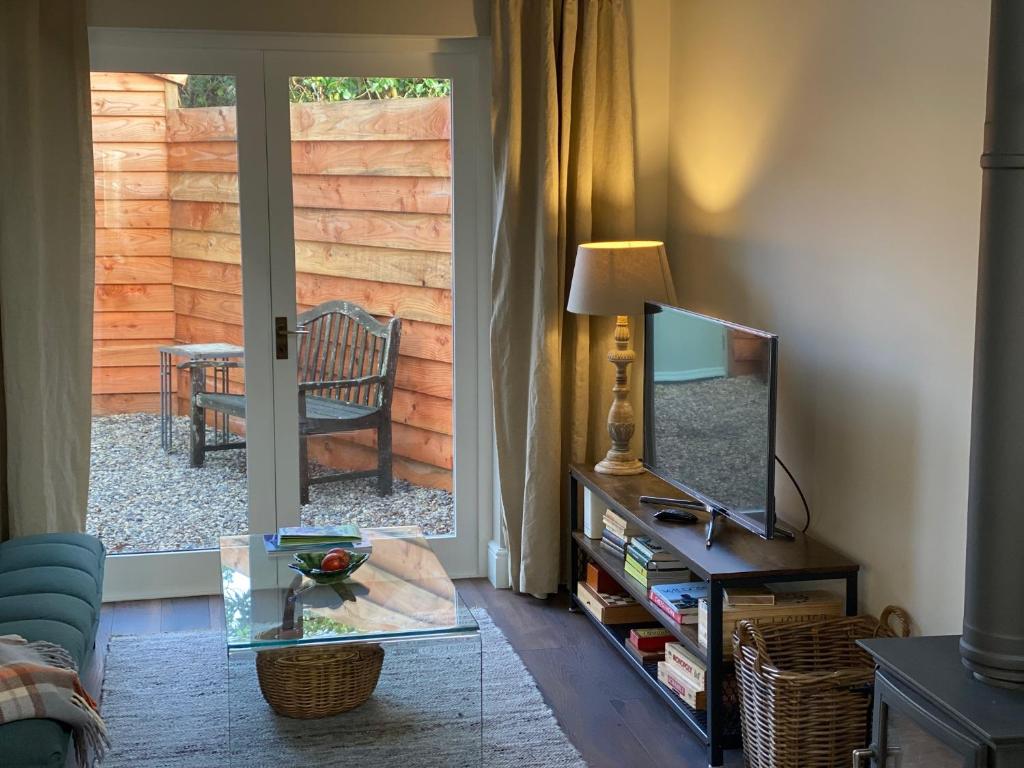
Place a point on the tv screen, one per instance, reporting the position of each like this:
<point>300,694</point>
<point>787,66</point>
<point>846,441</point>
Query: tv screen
<point>709,412</point>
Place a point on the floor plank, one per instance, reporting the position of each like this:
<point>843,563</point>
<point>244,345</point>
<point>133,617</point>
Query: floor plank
<point>603,706</point>
<point>185,614</point>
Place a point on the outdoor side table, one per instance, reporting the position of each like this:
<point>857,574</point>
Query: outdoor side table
<point>216,351</point>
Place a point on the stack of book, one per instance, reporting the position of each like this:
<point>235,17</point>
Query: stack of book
<point>785,607</point>
<point>649,563</point>
<point>679,602</point>
<point>647,644</point>
<point>684,673</point>
<point>617,533</point>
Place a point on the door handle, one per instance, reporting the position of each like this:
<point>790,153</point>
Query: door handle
<point>281,334</point>
<point>860,755</point>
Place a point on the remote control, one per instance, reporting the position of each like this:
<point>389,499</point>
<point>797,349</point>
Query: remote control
<point>675,516</point>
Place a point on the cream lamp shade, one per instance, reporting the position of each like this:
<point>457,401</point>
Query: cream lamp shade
<point>616,278</point>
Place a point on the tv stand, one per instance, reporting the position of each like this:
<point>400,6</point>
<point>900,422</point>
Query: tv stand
<point>665,501</point>
<point>737,559</point>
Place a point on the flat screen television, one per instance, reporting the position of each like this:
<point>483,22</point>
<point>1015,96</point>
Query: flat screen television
<point>709,413</point>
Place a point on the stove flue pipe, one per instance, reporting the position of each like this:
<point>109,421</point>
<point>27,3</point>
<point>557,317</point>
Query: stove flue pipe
<point>992,645</point>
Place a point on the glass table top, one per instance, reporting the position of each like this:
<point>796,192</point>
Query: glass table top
<point>401,591</point>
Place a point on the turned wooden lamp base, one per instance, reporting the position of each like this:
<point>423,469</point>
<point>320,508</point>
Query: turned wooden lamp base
<point>620,459</point>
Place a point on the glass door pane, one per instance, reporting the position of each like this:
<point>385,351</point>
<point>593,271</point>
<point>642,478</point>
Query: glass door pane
<point>168,314</point>
<point>371,177</point>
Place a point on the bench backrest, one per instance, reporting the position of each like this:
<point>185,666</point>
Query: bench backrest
<point>347,342</point>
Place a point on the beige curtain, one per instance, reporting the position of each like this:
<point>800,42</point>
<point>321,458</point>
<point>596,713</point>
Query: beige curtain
<point>46,266</point>
<point>563,149</point>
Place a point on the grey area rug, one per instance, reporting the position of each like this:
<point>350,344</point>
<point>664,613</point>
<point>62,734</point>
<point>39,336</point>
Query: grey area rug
<point>166,702</point>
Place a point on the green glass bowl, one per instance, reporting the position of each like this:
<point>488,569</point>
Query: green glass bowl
<point>308,564</point>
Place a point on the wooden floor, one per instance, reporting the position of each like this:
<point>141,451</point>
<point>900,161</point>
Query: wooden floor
<point>608,712</point>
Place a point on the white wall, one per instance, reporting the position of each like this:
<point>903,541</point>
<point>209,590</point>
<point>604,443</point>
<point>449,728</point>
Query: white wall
<point>824,183</point>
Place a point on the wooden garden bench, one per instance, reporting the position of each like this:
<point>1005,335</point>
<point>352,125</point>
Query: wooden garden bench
<point>347,362</point>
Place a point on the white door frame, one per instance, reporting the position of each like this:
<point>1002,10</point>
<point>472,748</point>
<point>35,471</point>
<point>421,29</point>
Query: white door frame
<point>269,284</point>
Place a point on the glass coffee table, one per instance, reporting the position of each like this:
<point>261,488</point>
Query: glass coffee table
<point>385,668</point>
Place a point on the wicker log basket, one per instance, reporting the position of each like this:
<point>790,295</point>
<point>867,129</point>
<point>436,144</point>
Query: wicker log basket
<point>805,688</point>
<point>319,681</point>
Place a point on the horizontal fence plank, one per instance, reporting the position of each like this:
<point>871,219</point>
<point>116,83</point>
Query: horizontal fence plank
<point>208,275</point>
<point>133,242</point>
<point>210,305</point>
<point>134,379</point>
<point>414,443</point>
<point>110,404</point>
<point>190,329</point>
<point>204,186</point>
<point>371,158</point>
<point>128,270</point>
<point>415,231</point>
<point>423,411</point>
<point>214,156</point>
<point>125,81</point>
<point>205,217</point>
<point>134,103</point>
<point>339,453</point>
<point>201,124</point>
<point>134,298</point>
<point>132,325</point>
<point>431,269</point>
<point>133,214</point>
<point>369,119</point>
<point>134,156</point>
<point>131,185</point>
<point>431,377</point>
<point>121,129</point>
<point>206,246</point>
<point>433,305</point>
<point>108,353</point>
<point>373,193</point>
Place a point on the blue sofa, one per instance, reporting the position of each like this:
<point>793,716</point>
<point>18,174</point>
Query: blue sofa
<point>50,589</point>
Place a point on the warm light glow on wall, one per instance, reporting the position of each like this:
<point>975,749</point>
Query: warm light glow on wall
<point>726,112</point>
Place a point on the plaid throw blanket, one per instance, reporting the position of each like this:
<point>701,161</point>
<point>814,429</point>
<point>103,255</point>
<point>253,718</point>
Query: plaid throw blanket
<point>39,680</point>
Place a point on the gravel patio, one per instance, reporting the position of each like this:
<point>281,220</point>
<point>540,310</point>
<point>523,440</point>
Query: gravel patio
<point>143,500</point>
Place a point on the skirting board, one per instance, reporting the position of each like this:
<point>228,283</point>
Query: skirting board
<point>497,566</point>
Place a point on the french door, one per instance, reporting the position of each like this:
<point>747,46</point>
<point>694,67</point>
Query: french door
<point>262,179</point>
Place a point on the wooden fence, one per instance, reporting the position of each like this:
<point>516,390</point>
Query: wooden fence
<point>372,221</point>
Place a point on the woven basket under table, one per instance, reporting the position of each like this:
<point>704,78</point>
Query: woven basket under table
<point>805,689</point>
<point>318,681</point>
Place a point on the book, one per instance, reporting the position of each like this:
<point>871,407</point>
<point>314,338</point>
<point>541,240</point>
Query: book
<point>686,662</point>
<point>644,559</point>
<point>789,607</point>
<point>645,657</point>
<point>600,581</point>
<point>749,596</point>
<point>614,538</point>
<point>273,547</point>
<point>611,609</point>
<point>681,686</point>
<point>670,611</point>
<point>326,534</point>
<point>616,551</point>
<point>649,577</point>
<point>619,524</point>
<point>650,638</point>
<point>652,550</point>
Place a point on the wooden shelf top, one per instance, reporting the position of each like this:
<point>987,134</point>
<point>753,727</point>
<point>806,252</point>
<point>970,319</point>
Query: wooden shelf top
<point>736,554</point>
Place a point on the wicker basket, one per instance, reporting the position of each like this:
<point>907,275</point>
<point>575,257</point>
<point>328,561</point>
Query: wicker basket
<point>318,681</point>
<point>805,689</point>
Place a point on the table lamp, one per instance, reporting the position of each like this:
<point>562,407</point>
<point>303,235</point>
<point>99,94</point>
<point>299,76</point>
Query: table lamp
<point>616,278</point>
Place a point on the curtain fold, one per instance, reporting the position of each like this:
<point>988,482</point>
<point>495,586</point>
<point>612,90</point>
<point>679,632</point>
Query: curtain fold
<point>46,266</point>
<point>563,165</point>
